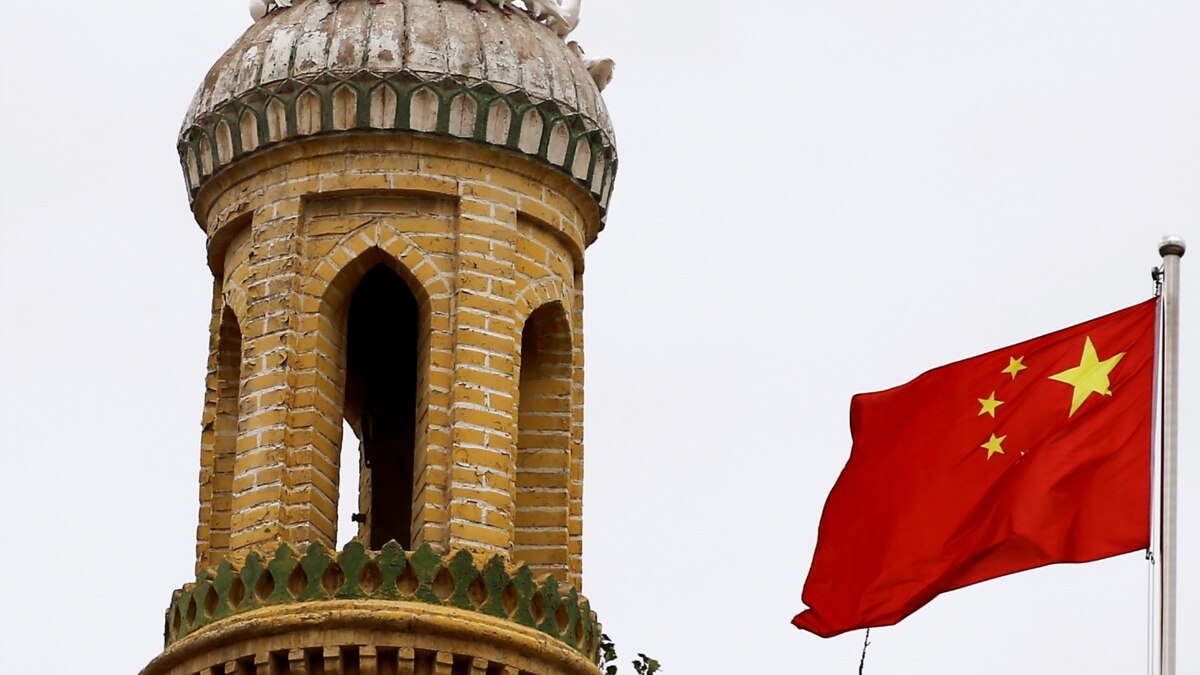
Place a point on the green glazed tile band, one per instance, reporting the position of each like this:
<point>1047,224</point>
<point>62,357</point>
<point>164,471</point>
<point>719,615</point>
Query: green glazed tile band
<point>389,574</point>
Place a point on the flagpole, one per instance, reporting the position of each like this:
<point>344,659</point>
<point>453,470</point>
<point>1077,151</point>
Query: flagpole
<point>1171,249</point>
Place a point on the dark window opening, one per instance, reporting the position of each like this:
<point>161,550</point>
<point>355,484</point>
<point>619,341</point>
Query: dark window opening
<point>381,402</point>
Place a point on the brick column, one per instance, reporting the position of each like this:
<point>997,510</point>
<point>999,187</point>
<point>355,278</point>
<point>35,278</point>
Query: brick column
<point>485,341</point>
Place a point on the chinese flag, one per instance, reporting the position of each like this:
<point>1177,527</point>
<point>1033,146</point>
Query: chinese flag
<point>1033,454</point>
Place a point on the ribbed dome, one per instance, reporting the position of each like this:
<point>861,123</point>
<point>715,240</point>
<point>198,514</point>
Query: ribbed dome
<point>420,65</point>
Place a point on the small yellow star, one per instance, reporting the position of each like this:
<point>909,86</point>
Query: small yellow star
<point>993,446</point>
<point>989,404</point>
<point>1089,377</point>
<point>1015,366</point>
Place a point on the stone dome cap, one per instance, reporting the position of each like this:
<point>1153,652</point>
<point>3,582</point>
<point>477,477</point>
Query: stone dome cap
<point>419,65</point>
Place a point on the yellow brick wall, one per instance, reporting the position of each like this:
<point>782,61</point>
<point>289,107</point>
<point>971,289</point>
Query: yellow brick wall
<point>483,238</point>
<point>544,442</point>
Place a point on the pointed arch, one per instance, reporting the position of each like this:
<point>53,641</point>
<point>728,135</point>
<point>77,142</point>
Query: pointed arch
<point>248,130</point>
<point>424,109</point>
<point>464,112</point>
<point>372,357</point>
<point>345,107</point>
<point>309,112</point>
<point>542,467</point>
<point>225,426</point>
<point>532,127</point>
<point>205,149</point>
<point>499,122</point>
<point>277,119</point>
<point>224,142</point>
<point>322,388</point>
<point>541,292</point>
<point>380,401</point>
<point>383,103</point>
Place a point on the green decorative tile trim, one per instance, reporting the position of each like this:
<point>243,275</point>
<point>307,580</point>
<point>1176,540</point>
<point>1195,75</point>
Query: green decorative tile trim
<point>399,101</point>
<point>422,576</point>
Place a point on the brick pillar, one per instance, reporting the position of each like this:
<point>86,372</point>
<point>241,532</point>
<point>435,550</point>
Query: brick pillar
<point>485,342</point>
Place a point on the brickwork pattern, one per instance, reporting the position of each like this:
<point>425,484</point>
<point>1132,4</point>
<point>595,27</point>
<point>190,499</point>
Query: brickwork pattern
<point>483,238</point>
<point>544,442</point>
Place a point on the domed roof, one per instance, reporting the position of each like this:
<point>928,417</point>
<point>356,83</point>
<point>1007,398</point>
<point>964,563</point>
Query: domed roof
<point>419,65</point>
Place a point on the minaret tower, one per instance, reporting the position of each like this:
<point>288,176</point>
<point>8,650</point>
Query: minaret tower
<point>397,196</point>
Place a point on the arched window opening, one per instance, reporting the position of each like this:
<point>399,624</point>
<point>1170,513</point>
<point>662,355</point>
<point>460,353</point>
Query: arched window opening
<point>225,431</point>
<point>543,443</point>
<point>381,403</point>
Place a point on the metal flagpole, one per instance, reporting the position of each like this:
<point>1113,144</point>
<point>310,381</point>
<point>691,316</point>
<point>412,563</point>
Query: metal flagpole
<point>1153,578</point>
<point>1171,249</point>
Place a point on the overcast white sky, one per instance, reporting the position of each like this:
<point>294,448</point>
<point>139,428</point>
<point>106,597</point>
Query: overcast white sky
<point>816,198</point>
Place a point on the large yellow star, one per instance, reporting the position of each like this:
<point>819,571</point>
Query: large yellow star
<point>1089,377</point>
<point>1015,366</point>
<point>989,404</point>
<point>993,446</point>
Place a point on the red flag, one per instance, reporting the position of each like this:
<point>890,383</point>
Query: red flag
<point>1033,454</point>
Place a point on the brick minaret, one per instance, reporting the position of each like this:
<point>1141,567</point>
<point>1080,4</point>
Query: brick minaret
<point>397,199</point>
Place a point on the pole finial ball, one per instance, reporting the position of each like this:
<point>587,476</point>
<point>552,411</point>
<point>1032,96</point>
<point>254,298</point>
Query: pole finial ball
<point>1172,244</point>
